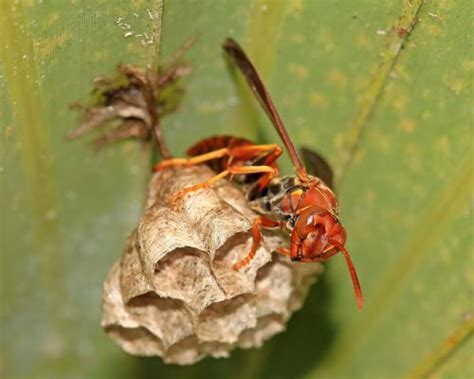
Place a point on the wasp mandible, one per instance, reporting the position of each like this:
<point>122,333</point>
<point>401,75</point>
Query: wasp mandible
<point>302,204</point>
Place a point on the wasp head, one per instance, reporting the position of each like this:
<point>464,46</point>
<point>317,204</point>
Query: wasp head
<point>317,233</point>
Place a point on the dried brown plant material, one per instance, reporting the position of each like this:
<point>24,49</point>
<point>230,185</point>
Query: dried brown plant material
<point>131,103</point>
<point>174,293</point>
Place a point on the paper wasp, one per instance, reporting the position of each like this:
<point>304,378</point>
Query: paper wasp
<point>302,204</point>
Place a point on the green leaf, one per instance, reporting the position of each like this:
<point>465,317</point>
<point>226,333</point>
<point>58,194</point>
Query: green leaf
<point>390,108</point>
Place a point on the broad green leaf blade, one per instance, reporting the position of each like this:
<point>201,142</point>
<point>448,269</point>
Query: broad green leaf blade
<point>392,112</point>
<point>65,211</point>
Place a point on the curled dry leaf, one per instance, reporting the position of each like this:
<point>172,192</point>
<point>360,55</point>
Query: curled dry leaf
<point>174,293</point>
<point>130,103</point>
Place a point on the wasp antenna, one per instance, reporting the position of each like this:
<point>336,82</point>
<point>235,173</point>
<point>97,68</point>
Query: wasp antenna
<point>235,51</point>
<point>352,271</point>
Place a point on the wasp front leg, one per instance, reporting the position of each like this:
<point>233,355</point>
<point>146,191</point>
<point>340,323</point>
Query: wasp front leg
<point>320,258</point>
<point>295,252</point>
<point>295,247</point>
<point>257,224</point>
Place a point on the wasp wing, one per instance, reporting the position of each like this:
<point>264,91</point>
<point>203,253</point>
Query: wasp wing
<point>318,166</point>
<point>233,49</point>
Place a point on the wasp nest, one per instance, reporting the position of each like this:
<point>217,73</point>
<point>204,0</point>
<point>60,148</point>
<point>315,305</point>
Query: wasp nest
<point>174,293</point>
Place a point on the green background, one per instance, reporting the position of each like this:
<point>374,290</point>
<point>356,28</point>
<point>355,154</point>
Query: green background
<point>391,112</point>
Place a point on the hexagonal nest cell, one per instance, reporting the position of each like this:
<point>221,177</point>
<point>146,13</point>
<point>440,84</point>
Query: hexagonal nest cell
<point>174,293</point>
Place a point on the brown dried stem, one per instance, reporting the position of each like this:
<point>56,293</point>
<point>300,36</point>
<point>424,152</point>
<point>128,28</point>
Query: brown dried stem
<point>131,105</point>
<point>149,93</point>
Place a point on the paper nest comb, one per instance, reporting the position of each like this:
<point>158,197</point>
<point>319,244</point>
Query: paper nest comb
<point>174,293</point>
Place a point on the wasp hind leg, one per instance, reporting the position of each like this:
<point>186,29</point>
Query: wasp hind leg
<point>173,162</point>
<point>233,170</point>
<point>271,153</point>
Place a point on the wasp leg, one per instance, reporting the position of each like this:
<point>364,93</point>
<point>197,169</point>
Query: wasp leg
<point>273,150</point>
<point>242,153</point>
<point>321,258</point>
<point>233,170</point>
<point>257,224</point>
<point>295,251</point>
<point>270,152</point>
<point>191,161</point>
<point>283,251</point>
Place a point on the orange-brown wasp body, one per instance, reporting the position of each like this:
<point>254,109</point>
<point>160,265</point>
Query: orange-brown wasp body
<point>303,204</point>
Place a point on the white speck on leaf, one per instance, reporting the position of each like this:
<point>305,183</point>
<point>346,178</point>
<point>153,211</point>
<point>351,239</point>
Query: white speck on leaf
<point>150,14</point>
